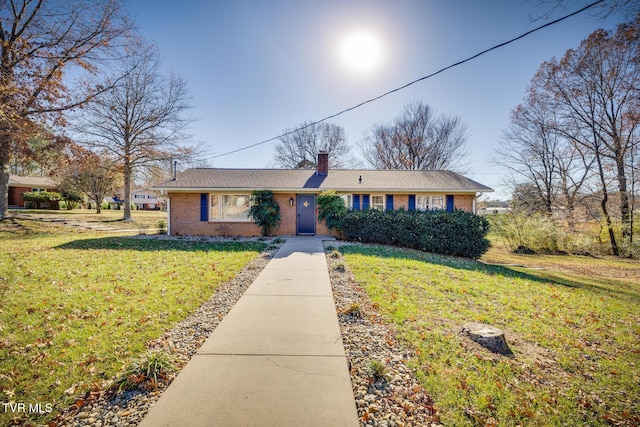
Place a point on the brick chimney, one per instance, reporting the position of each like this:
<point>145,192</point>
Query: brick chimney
<point>323,163</point>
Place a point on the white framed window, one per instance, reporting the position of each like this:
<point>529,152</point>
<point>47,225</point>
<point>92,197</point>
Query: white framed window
<point>348,200</point>
<point>38,190</point>
<point>377,202</point>
<point>425,202</point>
<point>422,202</point>
<point>230,207</point>
<point>437,202</point>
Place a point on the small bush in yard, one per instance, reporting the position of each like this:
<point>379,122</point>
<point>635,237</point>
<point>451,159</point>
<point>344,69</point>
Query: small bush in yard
<point>147,371</point>
<point>455,233</point>
<point>340,267</point>
<point>378,370</point>
<point>354,311</point>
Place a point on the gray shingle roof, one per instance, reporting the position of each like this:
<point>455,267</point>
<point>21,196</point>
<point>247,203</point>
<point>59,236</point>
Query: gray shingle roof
<point>32,181</point>
<point>301,180</point>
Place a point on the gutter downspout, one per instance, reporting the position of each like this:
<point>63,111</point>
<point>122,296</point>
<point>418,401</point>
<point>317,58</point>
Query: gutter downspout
<point>168,215</point>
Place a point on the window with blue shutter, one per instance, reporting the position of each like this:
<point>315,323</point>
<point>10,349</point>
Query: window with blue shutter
<point>356,202</point>
<point>412,202</point>
<point>389,204</point>
<point>365,201</point>
<point>204,207</point>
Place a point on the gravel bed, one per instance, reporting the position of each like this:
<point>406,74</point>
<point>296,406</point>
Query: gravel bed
<point>102,407</point>
<point>398,399</point>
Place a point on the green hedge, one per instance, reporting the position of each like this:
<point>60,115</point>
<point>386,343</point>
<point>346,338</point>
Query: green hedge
<point>456,233</point>
<point>41,199</point>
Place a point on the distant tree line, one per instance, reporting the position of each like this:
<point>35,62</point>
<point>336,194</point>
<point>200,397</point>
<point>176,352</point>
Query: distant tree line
<point>573,143</point>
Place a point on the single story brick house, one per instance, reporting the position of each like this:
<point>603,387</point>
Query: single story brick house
<point>26,184</point>
<point>215,202</point>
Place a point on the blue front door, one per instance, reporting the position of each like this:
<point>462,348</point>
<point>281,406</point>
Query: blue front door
<point>306,213</point>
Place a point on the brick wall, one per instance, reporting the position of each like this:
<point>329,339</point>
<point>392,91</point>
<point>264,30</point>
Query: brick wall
<point>185,216</point>
<point>15,195</point>
<point>463,202</point>
<point>185,219</point>
<point>401,201</point>
<point>287,214</point>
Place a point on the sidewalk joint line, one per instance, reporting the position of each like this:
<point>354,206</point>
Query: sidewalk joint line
<point>288,295</point>
<point>269,355</point>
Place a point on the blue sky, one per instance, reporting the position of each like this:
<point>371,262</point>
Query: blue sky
<point>257,67</point>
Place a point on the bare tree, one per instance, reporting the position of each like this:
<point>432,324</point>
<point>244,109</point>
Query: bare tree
<point>597,87</point>
<point>140,120</point>
<point>599,10</point>
<point>41,42</point>
<point>580,126</point>
<point>96,178</point>
<point>526,199</point>
<point>299,147</point>
<point>540,156</point>
<point>418,140</point>
<point>529,149</point>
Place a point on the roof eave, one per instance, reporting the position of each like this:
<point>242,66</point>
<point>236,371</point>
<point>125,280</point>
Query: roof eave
<point>356,190</point>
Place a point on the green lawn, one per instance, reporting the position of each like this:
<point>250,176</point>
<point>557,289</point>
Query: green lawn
<point>108,217</point>
<point>76,306</point>
<point>573,324</point>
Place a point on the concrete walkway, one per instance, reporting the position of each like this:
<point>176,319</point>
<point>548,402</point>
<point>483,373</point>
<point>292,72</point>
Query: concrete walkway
<point>276,359</point>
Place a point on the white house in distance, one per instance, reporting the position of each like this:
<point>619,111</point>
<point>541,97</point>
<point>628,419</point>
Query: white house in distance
<point>145,199</point>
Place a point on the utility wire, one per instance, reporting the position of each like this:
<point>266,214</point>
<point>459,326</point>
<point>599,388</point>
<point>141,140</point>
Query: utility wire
<point>410,83</point>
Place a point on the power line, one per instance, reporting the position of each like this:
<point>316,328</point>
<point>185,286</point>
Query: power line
<point>408,84</point>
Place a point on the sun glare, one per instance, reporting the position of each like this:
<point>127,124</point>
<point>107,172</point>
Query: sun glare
<point>361,51</point>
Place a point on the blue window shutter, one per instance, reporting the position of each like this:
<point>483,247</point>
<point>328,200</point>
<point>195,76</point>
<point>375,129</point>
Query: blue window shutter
<point>449,202</point>
<point>204,207</point>
<point>412,202</point>
<point>389,206</point>
<point>365,201</point>
<point>356,202</point>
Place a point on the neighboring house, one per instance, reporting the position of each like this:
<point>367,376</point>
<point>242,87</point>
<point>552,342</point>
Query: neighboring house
<point>145,199</point>
<point>115,202</point>
<point>25,184</point>
<point>492,211</point>
<point>216,202</point>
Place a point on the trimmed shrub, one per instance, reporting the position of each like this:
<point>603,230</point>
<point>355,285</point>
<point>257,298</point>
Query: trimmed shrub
<point>42,200</point>
<point>264,211</point>
<point>456,233</point>
<point>331,209</point>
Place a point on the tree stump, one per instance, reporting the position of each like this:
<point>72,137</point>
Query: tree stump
<point>487,336</point>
